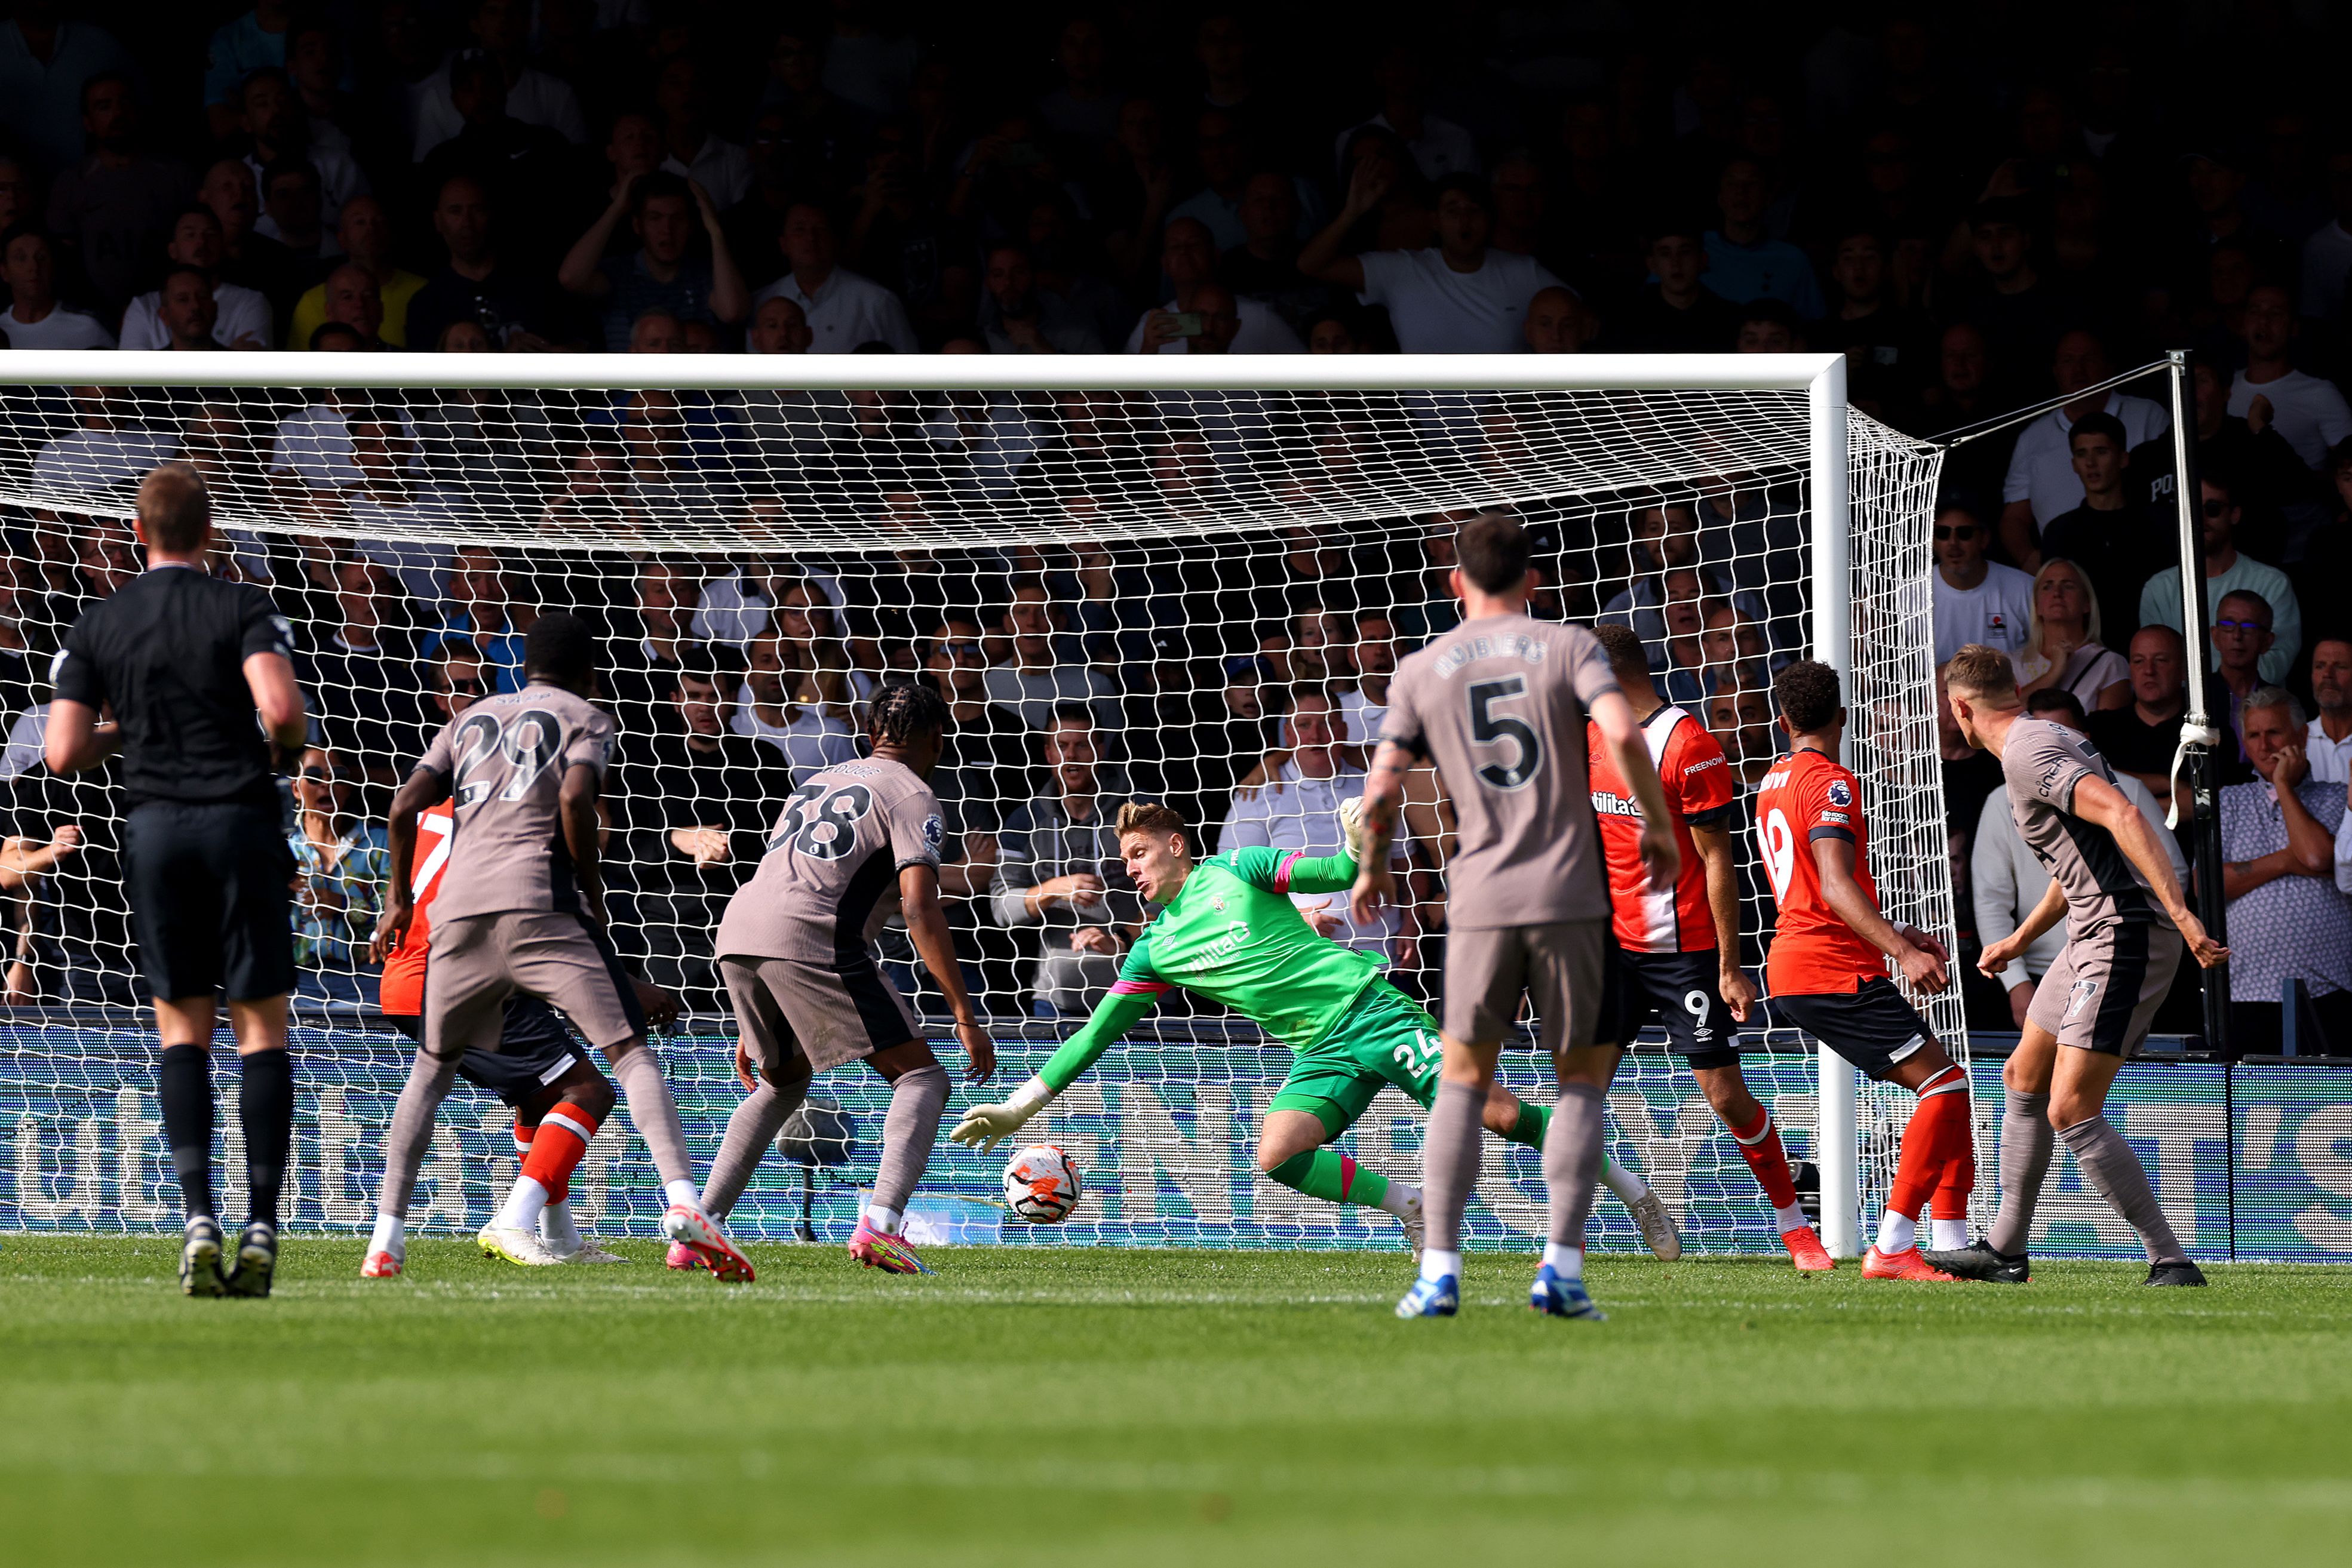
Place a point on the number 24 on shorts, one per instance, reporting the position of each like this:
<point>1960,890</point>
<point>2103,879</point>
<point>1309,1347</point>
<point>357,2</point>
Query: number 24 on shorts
<point>1420,1054</point>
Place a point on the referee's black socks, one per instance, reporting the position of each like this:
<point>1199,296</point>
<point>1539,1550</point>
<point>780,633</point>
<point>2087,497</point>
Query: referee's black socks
<point>265,1107</point>
<point>184,1086</point>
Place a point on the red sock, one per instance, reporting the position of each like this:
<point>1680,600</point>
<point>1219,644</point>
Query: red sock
<point>1959,1160</point>
<point>556,1151</point>
<point>1938,1124</point>
<point>1759,1146</point>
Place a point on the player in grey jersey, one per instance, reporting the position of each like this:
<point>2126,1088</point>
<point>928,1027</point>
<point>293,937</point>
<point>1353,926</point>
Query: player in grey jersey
<point>522,909</point>
<point>1500,705</point>
<point>856,844</point>
<point>2127,925</point>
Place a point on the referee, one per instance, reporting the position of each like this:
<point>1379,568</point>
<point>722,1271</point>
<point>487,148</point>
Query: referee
<point>185,660</point>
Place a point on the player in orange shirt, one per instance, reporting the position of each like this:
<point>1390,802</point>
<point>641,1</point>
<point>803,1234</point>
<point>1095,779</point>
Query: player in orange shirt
<point>1680,944</point>
<point>1827,968</point>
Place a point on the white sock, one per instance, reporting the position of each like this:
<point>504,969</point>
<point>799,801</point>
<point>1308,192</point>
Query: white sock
<point>526,1200</point>
<point>557,1228</point>
<point>1401,1197</point>
<point>1790,1219</point>
<point>1896,1233</point>
<point>885,1221</point>
<point>1436,1265</point>
<point>1567,1262</point>
<point>1950,1235</point>
<point>1629,1188</point>
<point>682,1191</point>
<point>390,1235</point>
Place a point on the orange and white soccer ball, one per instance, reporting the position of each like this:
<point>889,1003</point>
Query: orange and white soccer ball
<point>1041,1185</point>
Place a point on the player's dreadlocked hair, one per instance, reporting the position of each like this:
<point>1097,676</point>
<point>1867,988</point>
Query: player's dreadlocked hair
<point>900,713</point>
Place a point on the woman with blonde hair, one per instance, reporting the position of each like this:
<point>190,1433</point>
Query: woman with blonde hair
<point>2062,651</point>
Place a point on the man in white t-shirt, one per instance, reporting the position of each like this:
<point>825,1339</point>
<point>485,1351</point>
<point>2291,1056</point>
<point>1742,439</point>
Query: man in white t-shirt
<point>35,320</point>
<point>2310,414</point>
<point>242,317</point>
<point>2328,740</point>
<point>1225,325</point>
<point>2042,481</point>
<point>842,309</point>
<point>1363,707</point>
<point>1458,297</point>
<point>1977,601</point>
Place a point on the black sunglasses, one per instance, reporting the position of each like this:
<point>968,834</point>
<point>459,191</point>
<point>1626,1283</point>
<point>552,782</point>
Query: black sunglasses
<point>318,776</point>
<point>1959,531</point>
<point>469,688</point>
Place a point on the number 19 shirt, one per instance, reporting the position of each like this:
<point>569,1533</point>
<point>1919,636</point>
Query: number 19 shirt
<point>829,880</point>
<point>1808,796</point>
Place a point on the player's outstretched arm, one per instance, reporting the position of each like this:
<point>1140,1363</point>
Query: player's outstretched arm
<point>1374,835</point>
<point>2101,803</point>
<point>1998,956</point>
<point>983,1125</point>
<point>1621,733</point>
<point>1922,963</point>
<point>926,925</point>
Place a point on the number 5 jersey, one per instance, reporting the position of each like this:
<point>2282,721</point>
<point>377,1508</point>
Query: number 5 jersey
<point>505,758</point>
<point>829,879</point>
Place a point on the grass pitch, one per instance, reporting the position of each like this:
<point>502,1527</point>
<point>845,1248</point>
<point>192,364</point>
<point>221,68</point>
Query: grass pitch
<point>1041,1407</point>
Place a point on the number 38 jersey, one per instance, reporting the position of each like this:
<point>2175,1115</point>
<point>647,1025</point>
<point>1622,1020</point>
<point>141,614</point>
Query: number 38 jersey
<point>1809,795</point>
<point>505,758</point>
<point>829,880</point>
<point>1499,704</point>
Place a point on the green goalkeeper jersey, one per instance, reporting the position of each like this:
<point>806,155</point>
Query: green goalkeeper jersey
<point>1232,934</point>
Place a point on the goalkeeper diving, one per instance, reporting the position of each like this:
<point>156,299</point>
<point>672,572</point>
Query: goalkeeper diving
<point>1227,930</point>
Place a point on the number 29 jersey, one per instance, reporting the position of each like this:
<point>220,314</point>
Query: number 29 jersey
<point>829,880</point>
<point>1809,795</point>
<point>505,758</point>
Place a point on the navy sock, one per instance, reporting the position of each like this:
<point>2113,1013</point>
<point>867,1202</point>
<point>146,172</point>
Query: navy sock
<point>266,1110</point>
<point>184,1086</point>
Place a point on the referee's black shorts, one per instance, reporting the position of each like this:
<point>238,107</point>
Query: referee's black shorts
<point>211,906</point>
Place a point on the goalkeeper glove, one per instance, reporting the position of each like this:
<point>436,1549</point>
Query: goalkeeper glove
<point>1351,824</point>
<point>983,1126</point>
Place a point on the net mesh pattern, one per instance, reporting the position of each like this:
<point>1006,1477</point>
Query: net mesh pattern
<point>1193,597</point>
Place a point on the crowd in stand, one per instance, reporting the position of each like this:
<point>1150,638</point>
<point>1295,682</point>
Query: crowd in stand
<point>1983,215</point>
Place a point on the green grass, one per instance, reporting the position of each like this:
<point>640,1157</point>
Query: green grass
<point>1139,1407</point>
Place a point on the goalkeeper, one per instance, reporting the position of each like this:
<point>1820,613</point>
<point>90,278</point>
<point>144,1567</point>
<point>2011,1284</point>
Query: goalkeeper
<point>1228,931</point>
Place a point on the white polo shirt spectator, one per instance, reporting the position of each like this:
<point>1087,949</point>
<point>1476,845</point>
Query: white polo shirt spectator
<point>845,311</point>
<point>535,99</point>
<point>96,459</point>
<point>2042,468</point>
<point>2006,880</point>
<point>1262,332</point>
<point>1997,612</point>
<point>244,313</point>
<point>2331,761</point>
<point>720,167</point>
<point>2310,414</point>
<point>1292,812</point>
<point>813,741</point>
<point>60,329</point>
<point>1437,310</point>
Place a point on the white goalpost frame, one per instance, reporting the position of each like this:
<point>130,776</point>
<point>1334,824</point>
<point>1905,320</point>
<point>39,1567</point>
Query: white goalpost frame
<point>1820,377</point>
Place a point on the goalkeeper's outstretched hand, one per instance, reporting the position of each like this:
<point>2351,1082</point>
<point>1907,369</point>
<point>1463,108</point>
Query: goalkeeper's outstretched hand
<point>984,1126</point>
<point>1351,824</point>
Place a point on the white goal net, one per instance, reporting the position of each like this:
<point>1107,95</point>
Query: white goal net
<point>1130,585</point>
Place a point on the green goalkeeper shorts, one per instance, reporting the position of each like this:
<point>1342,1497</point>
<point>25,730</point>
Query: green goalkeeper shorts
<point>1383,1039</point>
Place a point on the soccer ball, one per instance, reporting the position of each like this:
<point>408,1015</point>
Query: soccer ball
<point>1041,1185</point>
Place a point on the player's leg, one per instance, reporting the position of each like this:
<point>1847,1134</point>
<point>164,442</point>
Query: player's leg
<point>1313,1107</point>
<point>1575,980</point>
<point>766,1050</point>
<point>1758,1142</point>
<point>2027,1142</point>
<point>553,1126</point>
<point>256,975</point>
<point>1517,1121</point>
<point>465,993</point>
<point>183,1089</point>
<point>1485,974</point>
<point>910,1129</point>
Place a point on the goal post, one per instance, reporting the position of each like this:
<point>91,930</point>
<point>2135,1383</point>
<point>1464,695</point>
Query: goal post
<point>1206,562</point>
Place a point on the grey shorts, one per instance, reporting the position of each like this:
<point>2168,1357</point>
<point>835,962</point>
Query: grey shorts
<point>825,1014</point>
<point>479,961</point>
<point>2103,992</point>
<point>1569,969</point>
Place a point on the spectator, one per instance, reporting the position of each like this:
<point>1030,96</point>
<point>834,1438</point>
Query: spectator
<point>1041,678</point>
<point>1677,313</point>
<point>364,234</point>
<point>1058,870</point>
<point>1885,346</point>
<point>278,133</point>
<point>652,639</point>
<point>987,753</point>
<point>187,316</point>
<point>1768,326</point>
<point>2328,742</point>
<point>2041,485</point>
<point>529,171</point>
<point>1219,207</point>
<point>1668,539</point>
<point>1558,322</point>
<point>808,738</point>
<point>659,275</point>
<point>1017,317</point>
<point>1264,266</point>
<point>2111,538</point>
<point>342,866</point>
<point>33,319</point>
<point>1364,705</point>
<point>779,326</point>
<point>104,449</point>
<point>1296,808</point>
<point>1439,147</point>
<point>477,283</point>
<point>2309,412</point>
<point>1744,262</point>
<point>696,800</point>
<point>2228,571</point>
<point>44,63</point>
<point>250,43</point>
<point>481,611</point>
<point>2020,313</point>
<point>359,670</point>
<point>2269,479</point>
<point>291,214</point>
<point>2242,637</point>
<point>241,315</point>
<point>1202,308</point>
<point>501,32</point>
<point>1741,722</point>
<point>112,210</point>
<point>2290,892</point>
<point>249,259</point>
<point>691,150</point>
<point>1976,599</point>
<point>2062,649</point>
<point>1459,295</point>
<point>843,310</point>
<point>2327,252</point>
<point>350,300</point>
<point>2007,879</point>
<point>657,332</point>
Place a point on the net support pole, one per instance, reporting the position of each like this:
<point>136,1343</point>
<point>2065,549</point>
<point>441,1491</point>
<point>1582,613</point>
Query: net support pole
<point>1838,1143</point>
<point>2195,723</point>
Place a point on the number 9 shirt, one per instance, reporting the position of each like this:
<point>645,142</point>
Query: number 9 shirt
<point>1808,795</point>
